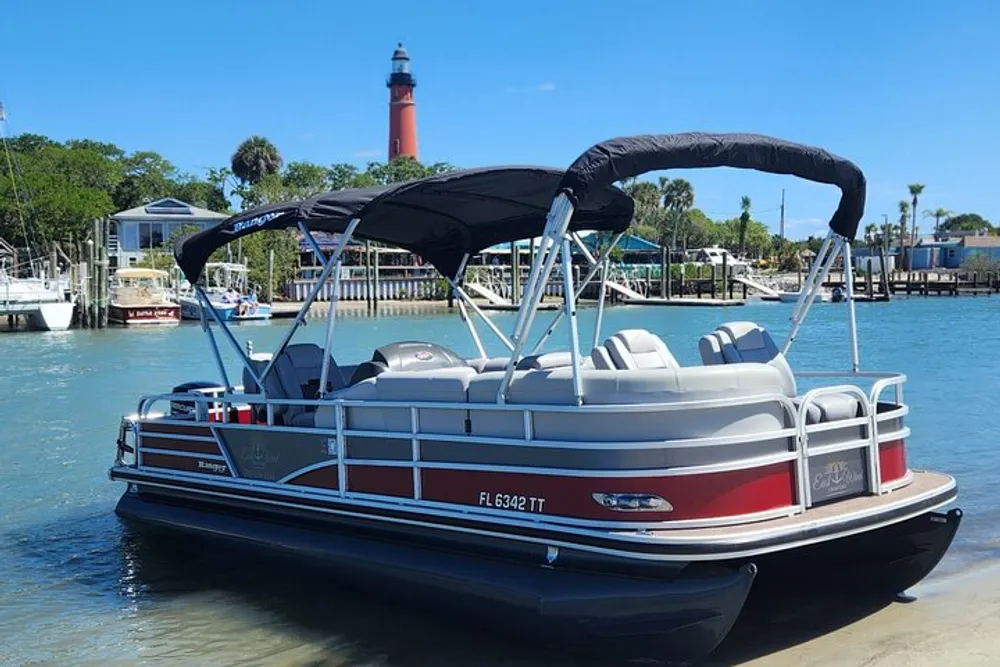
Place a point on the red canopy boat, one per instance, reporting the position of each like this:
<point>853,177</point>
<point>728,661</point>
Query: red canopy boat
<point>612,498</point>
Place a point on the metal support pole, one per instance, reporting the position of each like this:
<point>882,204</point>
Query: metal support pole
<point>813,270</point>
<point>205,303</point>
<point>559,216</point>
<point>463,297</point>
<point>472,328</point>
<point>600,301</point>
<point>851,317</point>
<point>215,346</point>
<point>463,313</point>
<point>569,306</point>
<point>300,318</point>
<point>554,221</point>
<point>332,316</point>
<point>808,294</point>
<point>594,268</point>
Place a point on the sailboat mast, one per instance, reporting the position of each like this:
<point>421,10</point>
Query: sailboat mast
<point>782,228</point>
<point>13,185</point>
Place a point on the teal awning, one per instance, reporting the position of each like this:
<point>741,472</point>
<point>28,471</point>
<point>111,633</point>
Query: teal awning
<point>627,243</point>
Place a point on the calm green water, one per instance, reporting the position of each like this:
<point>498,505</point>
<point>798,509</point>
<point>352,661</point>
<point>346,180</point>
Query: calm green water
<point>75,588</point>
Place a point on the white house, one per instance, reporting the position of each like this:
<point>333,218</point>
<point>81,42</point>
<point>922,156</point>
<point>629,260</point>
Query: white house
<point>150,225</point>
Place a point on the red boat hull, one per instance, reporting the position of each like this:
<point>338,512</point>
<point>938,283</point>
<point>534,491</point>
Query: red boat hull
<point>147,315</point>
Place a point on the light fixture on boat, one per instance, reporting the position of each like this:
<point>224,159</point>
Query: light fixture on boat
<point>633,502</point>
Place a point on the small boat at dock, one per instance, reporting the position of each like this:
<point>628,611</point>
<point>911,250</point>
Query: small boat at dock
<point>226,285</point>
<point>584,487</point>
<point>139,296</point>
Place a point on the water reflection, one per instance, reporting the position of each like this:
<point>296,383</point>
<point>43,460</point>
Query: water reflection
<point>76,589</point>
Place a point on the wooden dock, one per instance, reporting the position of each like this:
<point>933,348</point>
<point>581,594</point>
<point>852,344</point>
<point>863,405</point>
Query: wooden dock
<point>920,283</point>
<point>683,301</point>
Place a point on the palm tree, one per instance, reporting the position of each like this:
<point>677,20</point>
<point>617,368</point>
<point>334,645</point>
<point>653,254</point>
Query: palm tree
<point>678,198</point>
<point>915,190</point>
<point>904,215</point>
<point>744,222</point>
<point>871,232</point>
<point>255,159</point>
<point>937,214</point>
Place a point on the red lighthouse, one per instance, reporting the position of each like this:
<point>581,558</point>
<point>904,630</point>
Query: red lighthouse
<point>402,108</point>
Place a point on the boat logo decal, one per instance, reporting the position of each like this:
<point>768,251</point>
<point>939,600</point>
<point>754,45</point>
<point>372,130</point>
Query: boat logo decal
<point>836,476</point>
<point>423,355</point>
<point>258,457</point>
<point>258,221</point>
<point>212,466</point>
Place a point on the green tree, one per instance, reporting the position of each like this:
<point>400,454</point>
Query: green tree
<point>28,143</point>
<point>678,198</point>
<point>255,159</point>
<point>966,222</point>
<point>304,179</point>
<point>648,218</point>
<point>60,190</point>
<point>403,168</point>
<point>871,235</point>
<point>938,214</point>
<point>203,193</point>
<point>744,222</point>
<point>147,176</point>
<point>699,230</point>
<point>904,219</point>
<point>916,189</point>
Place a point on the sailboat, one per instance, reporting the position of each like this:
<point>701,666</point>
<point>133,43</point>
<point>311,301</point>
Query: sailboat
<point>46,302</point>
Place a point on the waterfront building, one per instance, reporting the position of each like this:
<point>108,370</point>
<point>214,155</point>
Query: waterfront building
<point>140,229</point>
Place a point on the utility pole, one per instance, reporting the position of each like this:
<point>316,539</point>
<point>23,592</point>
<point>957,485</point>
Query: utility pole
<point>782,233</point>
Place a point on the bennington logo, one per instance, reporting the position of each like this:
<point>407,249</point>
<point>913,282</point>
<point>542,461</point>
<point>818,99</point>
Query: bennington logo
<point>258,221</point>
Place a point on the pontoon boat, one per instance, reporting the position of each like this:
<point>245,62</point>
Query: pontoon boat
<point>599,492</point>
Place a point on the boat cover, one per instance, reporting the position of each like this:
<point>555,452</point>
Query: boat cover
<point>625,157</point>
<point>440,218</point>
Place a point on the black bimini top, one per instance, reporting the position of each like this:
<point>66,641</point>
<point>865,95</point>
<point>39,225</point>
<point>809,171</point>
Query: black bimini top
<point>440,218</point>
<point>622,158</point>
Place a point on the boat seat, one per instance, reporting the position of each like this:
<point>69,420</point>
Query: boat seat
<point>601,359</point>
<point>489,364</point>
<point>258,361</point>
<point>296,375</point>
<point>638,348</point>
<point>550,360</point>
<point>492,423</point>
<point>747,342</point>
<point>627,388</point>
<point>444,385</point>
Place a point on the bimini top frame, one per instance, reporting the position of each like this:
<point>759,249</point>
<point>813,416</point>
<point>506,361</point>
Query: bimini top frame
<point>442,218</point>
<point>625,157</point>
<point>445,219</point>
<point>448,218</point>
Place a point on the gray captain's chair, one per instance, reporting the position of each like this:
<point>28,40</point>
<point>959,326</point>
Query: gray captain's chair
<point>633,348</point>
<point>296,376</point>
<point>747,342</point>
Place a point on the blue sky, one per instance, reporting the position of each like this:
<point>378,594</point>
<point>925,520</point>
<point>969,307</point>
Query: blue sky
<point>908,90</point>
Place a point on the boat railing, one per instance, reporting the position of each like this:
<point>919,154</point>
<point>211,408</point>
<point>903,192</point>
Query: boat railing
<point>809,443</point>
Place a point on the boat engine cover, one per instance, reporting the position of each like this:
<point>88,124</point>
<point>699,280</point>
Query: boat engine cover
<point>188,409</point>
<point>416,356</point>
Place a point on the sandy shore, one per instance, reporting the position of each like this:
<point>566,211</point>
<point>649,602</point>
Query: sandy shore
<point>954,622</point>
